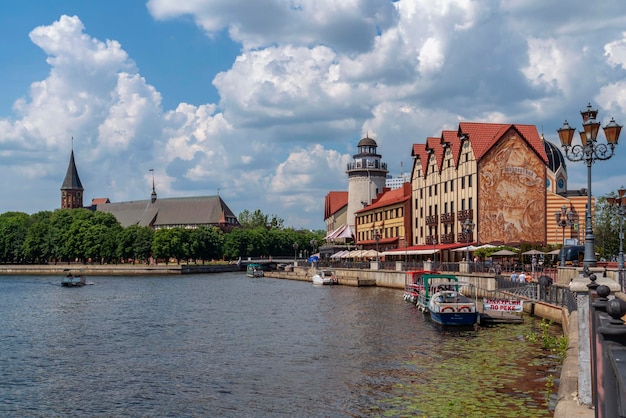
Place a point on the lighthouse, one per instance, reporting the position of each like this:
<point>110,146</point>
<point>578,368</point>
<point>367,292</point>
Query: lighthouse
<point>366,178</point>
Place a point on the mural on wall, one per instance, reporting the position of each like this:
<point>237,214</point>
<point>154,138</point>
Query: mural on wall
<point>512,193</point>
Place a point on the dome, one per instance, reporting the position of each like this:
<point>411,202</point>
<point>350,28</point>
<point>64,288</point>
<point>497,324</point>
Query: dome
<point>367,142</point>
<point>555,157</point>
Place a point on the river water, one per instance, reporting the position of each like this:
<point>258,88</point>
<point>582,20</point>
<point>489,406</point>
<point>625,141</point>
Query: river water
<point>227,345</point>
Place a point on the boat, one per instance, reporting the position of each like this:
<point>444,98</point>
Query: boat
<point>443,300</point>
<point>413,284</point>
<point>73,281</point>
<point>325,277</point>
<point>254,270</point>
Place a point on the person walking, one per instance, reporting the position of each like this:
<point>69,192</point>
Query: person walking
<point>522,277</point>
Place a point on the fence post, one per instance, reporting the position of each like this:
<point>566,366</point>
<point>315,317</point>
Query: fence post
<point>579,286</point>
<point>611,379</point>
<point>597,311</point>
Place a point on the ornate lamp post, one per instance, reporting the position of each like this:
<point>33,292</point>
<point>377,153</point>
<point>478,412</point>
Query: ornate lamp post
<point>295,251</point>
<point>589,152</point>
<point>313,243</point>
<point>377,238</point>
<point>468,228</point>
<point>563,219</point>
<point>619,203</point>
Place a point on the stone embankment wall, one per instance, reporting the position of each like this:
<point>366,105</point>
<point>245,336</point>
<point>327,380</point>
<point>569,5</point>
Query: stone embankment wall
<point>114,269</point>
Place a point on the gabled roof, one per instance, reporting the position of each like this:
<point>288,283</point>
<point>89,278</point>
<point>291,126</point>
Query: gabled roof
<point>483,136</point>
<point>390,197</point>
<point>178,211</point>
<point>436,147</point>
<point>72,181</point>
<point>334,202</point>
<point>99,200</point>
<point>419,152</point>
<point>453,141</point>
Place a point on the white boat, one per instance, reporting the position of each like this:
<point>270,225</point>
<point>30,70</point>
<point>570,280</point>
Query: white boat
<point>325,277</point>
<point>444,302</point>
<point>254,270</point>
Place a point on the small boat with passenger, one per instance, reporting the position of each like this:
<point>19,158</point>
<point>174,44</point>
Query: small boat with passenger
<point>323,277</point>
<point>73,281</point>
<point>254,270</point>
<point>443,300</point>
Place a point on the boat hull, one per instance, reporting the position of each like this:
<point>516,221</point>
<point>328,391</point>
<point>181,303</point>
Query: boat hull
<point>453,318</point>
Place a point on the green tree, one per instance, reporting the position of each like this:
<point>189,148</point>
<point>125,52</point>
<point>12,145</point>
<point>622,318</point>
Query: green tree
<point>37,244</point>
<point>13,230</point>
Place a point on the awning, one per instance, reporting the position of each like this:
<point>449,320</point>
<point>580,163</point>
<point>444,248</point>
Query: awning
<point>339,254</point>
<point>422,249</point>
<point>344,231</point>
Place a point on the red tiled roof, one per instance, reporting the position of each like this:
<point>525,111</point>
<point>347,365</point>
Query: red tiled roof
<point>390,197</point>
<point>454,142</point>
<point>100,201</point>
<point>334,202</point>
<point>483,136</point>
<point>435,145</point>
<point>419,152</point>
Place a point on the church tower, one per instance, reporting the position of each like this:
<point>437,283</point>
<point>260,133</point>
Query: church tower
<point>72,188</point>
<point>366,178</point>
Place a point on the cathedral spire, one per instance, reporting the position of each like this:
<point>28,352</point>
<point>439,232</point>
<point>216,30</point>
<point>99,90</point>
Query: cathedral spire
<point>72,188</point>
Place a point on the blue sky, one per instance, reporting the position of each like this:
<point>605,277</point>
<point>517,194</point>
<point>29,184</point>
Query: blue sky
<point>264,101</point>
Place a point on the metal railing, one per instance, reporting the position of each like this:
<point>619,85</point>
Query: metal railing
<point>608,351</point>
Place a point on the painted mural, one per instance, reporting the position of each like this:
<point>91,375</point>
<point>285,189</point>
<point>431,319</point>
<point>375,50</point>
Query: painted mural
<point>512,191</point>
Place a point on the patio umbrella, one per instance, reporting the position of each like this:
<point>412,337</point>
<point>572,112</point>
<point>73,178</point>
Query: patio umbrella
<point>503,253</point>
<point>554,252</point>
<point>533,252</point>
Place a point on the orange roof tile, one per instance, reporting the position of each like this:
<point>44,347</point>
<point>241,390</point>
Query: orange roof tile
<point>390,197</point>
<point>334,202</point>
<point>483,136</point>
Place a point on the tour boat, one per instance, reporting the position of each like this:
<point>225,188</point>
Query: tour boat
<point>413,284</point>
<point>254,270</point>
<point>73,281</point>
<point>442,299</point>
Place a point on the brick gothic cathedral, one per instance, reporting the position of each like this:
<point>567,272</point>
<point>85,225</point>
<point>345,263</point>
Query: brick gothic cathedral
<point>72,188</point>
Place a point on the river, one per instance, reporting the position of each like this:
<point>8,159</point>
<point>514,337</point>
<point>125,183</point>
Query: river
<point>224,345</point>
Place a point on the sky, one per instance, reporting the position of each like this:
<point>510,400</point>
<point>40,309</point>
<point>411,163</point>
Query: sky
<point>264,101</point>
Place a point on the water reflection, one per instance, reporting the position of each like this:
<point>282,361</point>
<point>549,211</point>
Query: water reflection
<point>227,345</point>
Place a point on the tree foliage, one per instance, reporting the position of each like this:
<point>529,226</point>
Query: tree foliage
<point>82,235</point>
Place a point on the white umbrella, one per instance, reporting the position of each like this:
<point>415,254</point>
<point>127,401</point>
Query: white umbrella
<point>503,253</point>
<point>533,252</point>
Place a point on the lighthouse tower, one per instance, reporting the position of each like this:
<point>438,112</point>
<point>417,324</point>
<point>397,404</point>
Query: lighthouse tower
<point>366,178</point>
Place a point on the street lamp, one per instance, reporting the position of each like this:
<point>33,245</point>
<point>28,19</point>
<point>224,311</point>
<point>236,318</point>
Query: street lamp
<point>435,253</point>
<point>313,243</point>
<point>295,251</point>
<point>589,152</point>
<point>377,238</point>
<point>619,203</point>
<point>564,218</point>
<point>468,228</point>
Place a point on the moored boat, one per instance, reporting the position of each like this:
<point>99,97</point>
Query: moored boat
<point>325,277</point>
<point>413,284</point>
<point>73,281</point>
<point>254,270</point>
<point>443,300</point>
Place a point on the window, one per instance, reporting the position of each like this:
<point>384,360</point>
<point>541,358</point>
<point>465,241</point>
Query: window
<point>462,204</point>
<point>451,185</point>
<point>470,203</point>
<point>445,187</point>
<point>435,190</point>
<point>463,182</point>
<point>469,181</point>
<point>430,191</point>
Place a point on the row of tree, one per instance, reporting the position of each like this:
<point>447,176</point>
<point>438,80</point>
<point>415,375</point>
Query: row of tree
<point>84,235</point>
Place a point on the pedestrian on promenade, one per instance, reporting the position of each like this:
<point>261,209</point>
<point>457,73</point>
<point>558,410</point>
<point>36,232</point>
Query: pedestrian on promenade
<point>522,277</point>
<point>514,276</point>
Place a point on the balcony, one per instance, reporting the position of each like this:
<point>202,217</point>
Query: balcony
<point>447,218</point>
<point>432,220</point>
<point>447,238</point>
<point>464,214</point>
<point>464,237</point>
<point>432,240</point>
